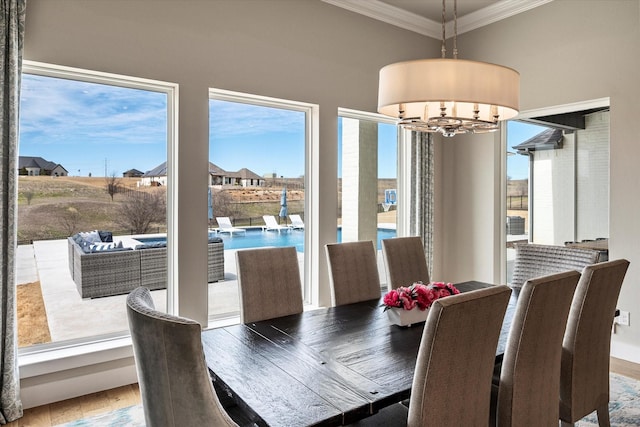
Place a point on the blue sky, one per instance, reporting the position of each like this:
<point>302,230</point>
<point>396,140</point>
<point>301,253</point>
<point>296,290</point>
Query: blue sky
<point>84,126</point>
<point>91,128</point>
<point>518,132</point>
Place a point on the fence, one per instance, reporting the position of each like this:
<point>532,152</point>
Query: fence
<point>518,202</point>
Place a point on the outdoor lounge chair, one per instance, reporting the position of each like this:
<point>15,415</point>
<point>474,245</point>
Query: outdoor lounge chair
<point>272,224</point>
<point>296,222</point>
<point>225,226</point>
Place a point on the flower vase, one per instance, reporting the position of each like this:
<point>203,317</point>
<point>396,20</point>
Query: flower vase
<point>402,317</point>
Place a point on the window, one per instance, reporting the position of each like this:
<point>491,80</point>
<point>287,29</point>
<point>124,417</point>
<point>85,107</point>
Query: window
<point>558,179</point>
<point>367,178</point>
<point>88,141</point>
<point>257,167</point>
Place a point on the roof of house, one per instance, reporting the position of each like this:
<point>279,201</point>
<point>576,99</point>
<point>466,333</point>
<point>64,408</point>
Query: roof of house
<point>216,170</point>
<point>160,170</point>
<point>133,172</point>
<point>36,162</point>
<point>244,173</point>
<point>549,139</point>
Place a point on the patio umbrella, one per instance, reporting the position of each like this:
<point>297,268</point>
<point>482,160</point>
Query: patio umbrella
<point>283,204</point>
<point>210,204</point>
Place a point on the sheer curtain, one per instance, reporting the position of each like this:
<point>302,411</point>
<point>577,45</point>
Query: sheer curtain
<point>12,38</point>
<point>421,206</point>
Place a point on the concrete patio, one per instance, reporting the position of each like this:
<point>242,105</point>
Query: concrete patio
<point>71,317</point>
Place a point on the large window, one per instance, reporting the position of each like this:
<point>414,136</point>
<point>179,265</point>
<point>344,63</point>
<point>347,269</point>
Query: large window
<point>558,180</point>
<point>367,178</point>
<point>91,188</point>
<point>257,180</point>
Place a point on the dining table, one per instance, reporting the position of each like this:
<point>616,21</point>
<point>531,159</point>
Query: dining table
<point>323,367</point>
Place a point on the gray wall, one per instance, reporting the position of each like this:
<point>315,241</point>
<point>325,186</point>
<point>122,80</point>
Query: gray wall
<point>566,51</point>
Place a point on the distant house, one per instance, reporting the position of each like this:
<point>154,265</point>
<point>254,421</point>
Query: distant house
<point>245,178</point>
<point>35,166</point>
<point>156,177</point>
<point>132,173</point>
<point>217,176</point>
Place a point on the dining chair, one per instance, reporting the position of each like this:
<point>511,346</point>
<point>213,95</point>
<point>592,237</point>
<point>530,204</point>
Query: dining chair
<point>584,380</point>
<point>175,387</point>
<point>529,378</point>
<point>353,272</point>
<point>405,261</point>
<point>269,282</point>
<point>533,260</point>
<point>452,378</point>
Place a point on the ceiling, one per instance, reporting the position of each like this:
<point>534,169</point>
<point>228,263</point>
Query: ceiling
<point>425,16</point>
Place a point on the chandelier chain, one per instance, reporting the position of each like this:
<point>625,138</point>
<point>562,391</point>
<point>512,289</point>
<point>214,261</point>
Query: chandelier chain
<point>444,47</point>
<point>455,29</point>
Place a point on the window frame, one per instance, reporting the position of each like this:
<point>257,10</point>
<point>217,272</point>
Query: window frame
<point>311,167</point>
<point>54,357</point>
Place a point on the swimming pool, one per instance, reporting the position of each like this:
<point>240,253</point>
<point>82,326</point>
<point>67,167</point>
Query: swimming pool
<point>256,238</point>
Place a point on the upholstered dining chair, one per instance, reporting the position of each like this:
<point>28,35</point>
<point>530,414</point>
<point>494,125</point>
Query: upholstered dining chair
<point>405,261</point>
<point>454,364</point>
<point>584,381</point>
<point>529,382</point>
<point>533,260</point>
<point>269,282</point>
<point>175,386</point>
<point>353,272</point>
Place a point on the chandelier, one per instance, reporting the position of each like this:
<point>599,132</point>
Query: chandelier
<point>449,96</point>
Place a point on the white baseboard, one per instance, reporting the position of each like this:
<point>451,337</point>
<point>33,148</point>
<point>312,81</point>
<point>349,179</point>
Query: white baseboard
<point>50,388</point>
<point>624,351</point>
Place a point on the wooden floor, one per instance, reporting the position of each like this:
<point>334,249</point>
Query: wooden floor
<point>121,397</point>
<point>79,407</point>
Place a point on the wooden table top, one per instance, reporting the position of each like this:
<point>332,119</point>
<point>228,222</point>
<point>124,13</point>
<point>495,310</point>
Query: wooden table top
<point>598,245</point>
<point>326,367</point>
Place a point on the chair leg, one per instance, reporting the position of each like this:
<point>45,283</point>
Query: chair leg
<point>566,424</point>
<point>603,415</point>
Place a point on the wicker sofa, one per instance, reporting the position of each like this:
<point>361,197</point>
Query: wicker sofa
<point>119,270</point>
<point>533,260</point>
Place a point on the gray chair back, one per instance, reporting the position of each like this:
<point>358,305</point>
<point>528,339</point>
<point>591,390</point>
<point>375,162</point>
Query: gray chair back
<point>584,383</point>
<point>353,272</point>
<point>456,359</point>
<point>175,386</point>
<point>541,260</point>
<point>405,261</point>
<point>530,375</point>
<point>269,282</point>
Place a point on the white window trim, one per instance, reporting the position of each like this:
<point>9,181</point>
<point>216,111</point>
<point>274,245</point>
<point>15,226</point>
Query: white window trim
<point>403,164</point>
<point>311,177</point>
<point>54,357</point>
<point>545,111</point>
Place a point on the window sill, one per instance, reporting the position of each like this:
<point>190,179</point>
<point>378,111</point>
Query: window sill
<point>50,358</point>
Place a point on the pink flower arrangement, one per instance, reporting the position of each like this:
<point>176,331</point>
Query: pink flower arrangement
<point>417,295</point>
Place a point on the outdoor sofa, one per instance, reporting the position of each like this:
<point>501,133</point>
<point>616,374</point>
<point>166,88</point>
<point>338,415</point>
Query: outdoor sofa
<point>104,268</point>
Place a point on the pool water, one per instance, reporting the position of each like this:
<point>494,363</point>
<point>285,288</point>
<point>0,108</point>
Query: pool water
<point>255,238</point>
<point>259,238</point>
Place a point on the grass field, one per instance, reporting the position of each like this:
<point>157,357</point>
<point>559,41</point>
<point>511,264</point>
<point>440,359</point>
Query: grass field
<point>57,207</point>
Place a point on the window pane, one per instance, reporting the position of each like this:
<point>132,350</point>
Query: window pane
<point>566,173</point>
<point>256,182</point>
<point>367,181</point>
<point>83,149</point>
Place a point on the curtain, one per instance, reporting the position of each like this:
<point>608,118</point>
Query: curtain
<point>11,38</point>
<point>421,214</point>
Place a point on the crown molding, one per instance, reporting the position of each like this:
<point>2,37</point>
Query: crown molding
<point>391,15</point>
<point>410,21</point>
<point>493,13</point>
